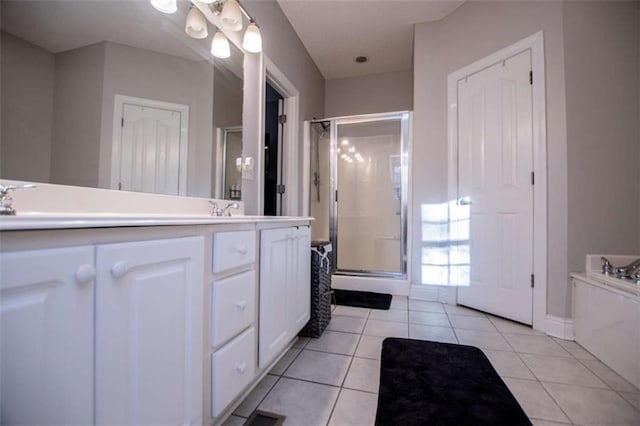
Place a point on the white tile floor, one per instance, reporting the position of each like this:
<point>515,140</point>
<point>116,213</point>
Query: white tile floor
<point>334,379</point>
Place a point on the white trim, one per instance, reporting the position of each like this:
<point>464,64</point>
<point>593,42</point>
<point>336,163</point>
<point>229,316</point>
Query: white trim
<point>560,327</point>
<point>535,43</point>
<point>306,168</point>
<point>291,159</point>
<point>116,142</point>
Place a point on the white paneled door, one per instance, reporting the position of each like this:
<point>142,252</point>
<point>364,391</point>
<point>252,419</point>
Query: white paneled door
<point>150,151</point>
<point>495,163</point>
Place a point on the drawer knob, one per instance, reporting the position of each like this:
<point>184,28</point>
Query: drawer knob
<point>241,368</point>
<point>119,269</point>
<point>85,274</point>
<point>242,305</point>
<point>241,250</point>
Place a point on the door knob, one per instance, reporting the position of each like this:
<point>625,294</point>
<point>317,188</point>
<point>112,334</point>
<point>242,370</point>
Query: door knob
<point>241,368</point>
<point>85,274</point>
<point>464,201</point>
<point>242,305</point>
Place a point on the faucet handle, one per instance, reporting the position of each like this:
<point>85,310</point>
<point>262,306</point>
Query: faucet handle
<point>6,207</point>
<point>226,212</point>
<point>217,211</point>
<point>607,267</point>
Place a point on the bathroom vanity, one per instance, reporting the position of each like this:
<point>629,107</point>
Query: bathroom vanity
<point>606,312</point>
<point>145,319</point>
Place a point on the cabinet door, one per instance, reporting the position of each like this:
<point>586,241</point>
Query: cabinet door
<point>149,335</point>
<point>300,284</point>
<point>47,336</point>
<point>274,285</point>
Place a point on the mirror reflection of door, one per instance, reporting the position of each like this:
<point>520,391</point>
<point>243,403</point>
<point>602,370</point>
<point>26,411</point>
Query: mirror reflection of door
<point>153,147</point>
<point>232,179</point>
<point>274,120</point>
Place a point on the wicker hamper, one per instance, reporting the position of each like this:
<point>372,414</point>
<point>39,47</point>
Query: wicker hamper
<point>320,290</point>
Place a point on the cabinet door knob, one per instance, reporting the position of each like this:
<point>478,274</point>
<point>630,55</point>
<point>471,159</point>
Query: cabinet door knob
<point>242,305</point>
<point>119,269</point>
<point>241,250</point>
<point>241,368</point>
<point>85,274</point>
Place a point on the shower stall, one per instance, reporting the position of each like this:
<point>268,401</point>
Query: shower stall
<point>358,193</point>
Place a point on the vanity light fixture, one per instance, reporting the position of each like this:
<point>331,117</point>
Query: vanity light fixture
<point>196,25</point>
<point>252,40</point>
<point>352,149</point>
<point>220,46</point>
<point>165,6</point>
<point>231,16</point>
<point>345,142</point>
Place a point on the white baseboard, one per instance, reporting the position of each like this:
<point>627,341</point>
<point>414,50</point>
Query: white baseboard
<point>560,327</point>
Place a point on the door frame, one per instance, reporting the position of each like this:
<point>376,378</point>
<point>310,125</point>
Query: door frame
<point>116,144</point>
<point>534,43</point>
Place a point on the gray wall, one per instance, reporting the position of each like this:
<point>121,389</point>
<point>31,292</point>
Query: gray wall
<point>602,79</point>
<point>473,31</point>
<point>77,115</point>
<point>27,110</point>
<point>385,92</point>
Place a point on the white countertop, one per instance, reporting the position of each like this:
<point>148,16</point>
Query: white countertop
<point>609,282</point>
<point>29,221</point>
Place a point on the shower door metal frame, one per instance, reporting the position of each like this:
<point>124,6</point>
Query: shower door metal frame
<point>403,117</point>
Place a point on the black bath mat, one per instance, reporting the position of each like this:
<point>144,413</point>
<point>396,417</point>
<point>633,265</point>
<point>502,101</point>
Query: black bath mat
<point>362,299</point>
<point>431,383</point>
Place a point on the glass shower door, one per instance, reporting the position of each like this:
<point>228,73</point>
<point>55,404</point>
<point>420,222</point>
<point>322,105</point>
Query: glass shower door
<point>369,170</point>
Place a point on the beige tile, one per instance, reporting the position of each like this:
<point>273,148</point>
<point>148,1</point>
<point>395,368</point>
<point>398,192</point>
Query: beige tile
<point>397,315</point>
<point>575,349</point>
<point>346,324</point>
<point>431,332</point>
<point>461,310</point>
<point>593,406</point>
<point>364,375</point>
<point>535,401</point>
<point>284,362</point>
<point>234,421</point>
<point>633,398</point>
<point>471,323</point>
<point>300,342</point>
<point>610,377</point>
<point>399,302</point>
<point>509,364</point>
<point>386,328</point>
<point>351,311</point>
<point>335,342</point>
<point>482,339</point>
<point>561,370</point>
<point>354,408</point>
<point>256,396</point>
<point>507,326</point>
<point>538,345</point>
<point>429,318</point>
<point>425,306</point>
<point>303,403</point>
<point>319,367</point>
<point>539,422</point>
<point>370,347</point>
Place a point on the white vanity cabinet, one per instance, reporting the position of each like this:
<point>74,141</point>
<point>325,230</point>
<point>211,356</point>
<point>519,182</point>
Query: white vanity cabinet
<point>149,332</point>
<point>46,370</point>
<point>284,288</point>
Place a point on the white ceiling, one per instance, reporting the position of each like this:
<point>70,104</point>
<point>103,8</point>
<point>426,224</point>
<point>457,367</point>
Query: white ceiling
<point>336,31</point>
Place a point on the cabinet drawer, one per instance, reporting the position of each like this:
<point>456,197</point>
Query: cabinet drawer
<point>233,306</point>
<point>232,369</point>
<point>233,249</point>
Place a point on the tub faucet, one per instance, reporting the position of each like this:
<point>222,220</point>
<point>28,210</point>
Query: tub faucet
<point>6,207</point>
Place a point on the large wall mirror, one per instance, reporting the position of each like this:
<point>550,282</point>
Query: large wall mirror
<point>114,94</point>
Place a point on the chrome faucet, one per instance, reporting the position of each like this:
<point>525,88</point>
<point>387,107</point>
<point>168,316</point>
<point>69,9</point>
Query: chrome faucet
<point>6,207</point>
<point>219,211</point>
<point>629,270</point>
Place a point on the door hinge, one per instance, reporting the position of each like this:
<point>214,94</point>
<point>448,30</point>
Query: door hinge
<point>533,178</point>
<point>282,119</point>
<point>530,77</point>
<point>533,280</point>
<point>119,186</point>
<point>280,189</point>
<point>122,122</point>
<point>336,195</point>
